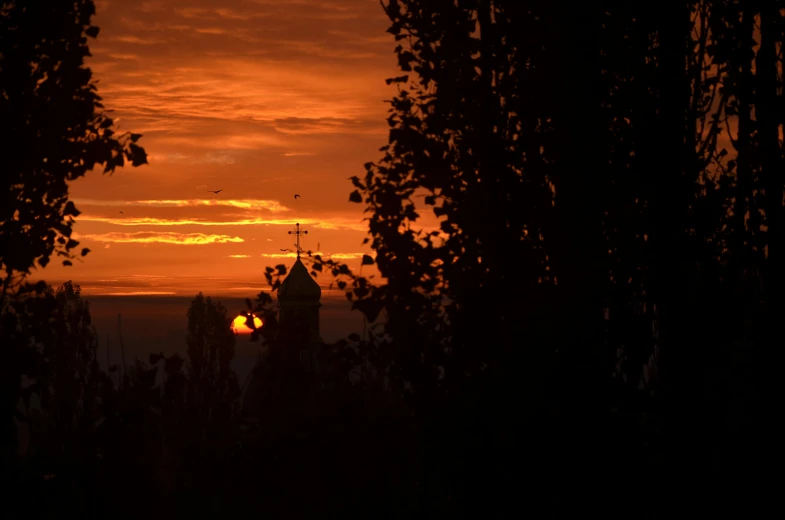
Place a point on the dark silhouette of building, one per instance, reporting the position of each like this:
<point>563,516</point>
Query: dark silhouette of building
<point>298,299</point>
<point>293,355</point>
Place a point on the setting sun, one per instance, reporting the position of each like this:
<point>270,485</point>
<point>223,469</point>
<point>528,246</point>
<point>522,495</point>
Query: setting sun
<point>241,328</point>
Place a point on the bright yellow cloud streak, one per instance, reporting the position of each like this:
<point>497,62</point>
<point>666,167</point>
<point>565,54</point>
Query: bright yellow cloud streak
<point>147,237</point>
<point>152,221</point>
<point>270,205</point>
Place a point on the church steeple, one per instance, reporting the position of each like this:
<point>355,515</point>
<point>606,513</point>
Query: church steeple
<point>299,295</point>
<point>298,342</point>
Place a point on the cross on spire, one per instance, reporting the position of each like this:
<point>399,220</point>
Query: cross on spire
<point>297,232</point>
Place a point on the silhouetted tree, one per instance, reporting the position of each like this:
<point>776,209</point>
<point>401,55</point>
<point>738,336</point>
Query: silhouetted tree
<point>54,130</point>
<point>212,394</point>
<point>212,385</point>
<point>574,160</point>
<point>60,408</point>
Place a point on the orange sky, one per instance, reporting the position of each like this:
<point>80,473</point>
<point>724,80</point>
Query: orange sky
<point>260,98</point>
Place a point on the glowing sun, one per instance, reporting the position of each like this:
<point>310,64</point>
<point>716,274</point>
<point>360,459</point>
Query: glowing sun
<point>241,328</point>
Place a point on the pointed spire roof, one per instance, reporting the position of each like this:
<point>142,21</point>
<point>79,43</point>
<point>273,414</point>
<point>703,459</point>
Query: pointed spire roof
<point>299,286</point>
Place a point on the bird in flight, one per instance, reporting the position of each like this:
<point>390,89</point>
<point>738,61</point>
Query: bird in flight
<point>121,213</point>
<point>216,191</point>
<point>296,196</point>
<point>284,250</point>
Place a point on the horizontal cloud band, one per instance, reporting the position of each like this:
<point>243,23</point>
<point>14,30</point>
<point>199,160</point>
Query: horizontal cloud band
<point>152,221</point>
<point>338,256</point>
<point>270,205</point>
<point>147,237</point>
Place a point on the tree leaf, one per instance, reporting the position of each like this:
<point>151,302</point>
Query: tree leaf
<point>137,155</point>
<point>367,260</point>
<point>85,251</point>
<point>70,210</point>
<point>355,197</point>
<point>92,31</point>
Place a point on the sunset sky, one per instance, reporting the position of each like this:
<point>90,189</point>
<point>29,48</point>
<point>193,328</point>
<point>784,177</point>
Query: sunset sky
<point>260,98</point>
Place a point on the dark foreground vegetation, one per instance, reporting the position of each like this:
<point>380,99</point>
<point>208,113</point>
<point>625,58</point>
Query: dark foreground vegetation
<point>593,325</point>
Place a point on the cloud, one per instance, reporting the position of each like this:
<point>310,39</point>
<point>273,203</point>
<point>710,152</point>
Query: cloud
<point>137,293</point>
<point>251,204</point>
<point>149,40</point>
<point>225,13</point>
<point>239,256</point>
<point>213,158</point>
<point>169,158</point>
<point>125,56</point>
<point>338,256</point>
<point>335,224</point>
<point>325,125</point>
<point>324,49</point>
<point>210,30</point>
<point>149,237</point>
<point>238,88</point>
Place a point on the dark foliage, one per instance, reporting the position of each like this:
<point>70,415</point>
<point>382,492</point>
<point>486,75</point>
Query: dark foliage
<point>53,130</point>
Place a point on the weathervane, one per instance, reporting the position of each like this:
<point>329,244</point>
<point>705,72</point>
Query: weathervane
<point>297,234</point>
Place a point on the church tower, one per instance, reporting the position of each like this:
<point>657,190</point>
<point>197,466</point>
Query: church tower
<point>298,297</point>
<point>298,346</point>
<point>298,300</point>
